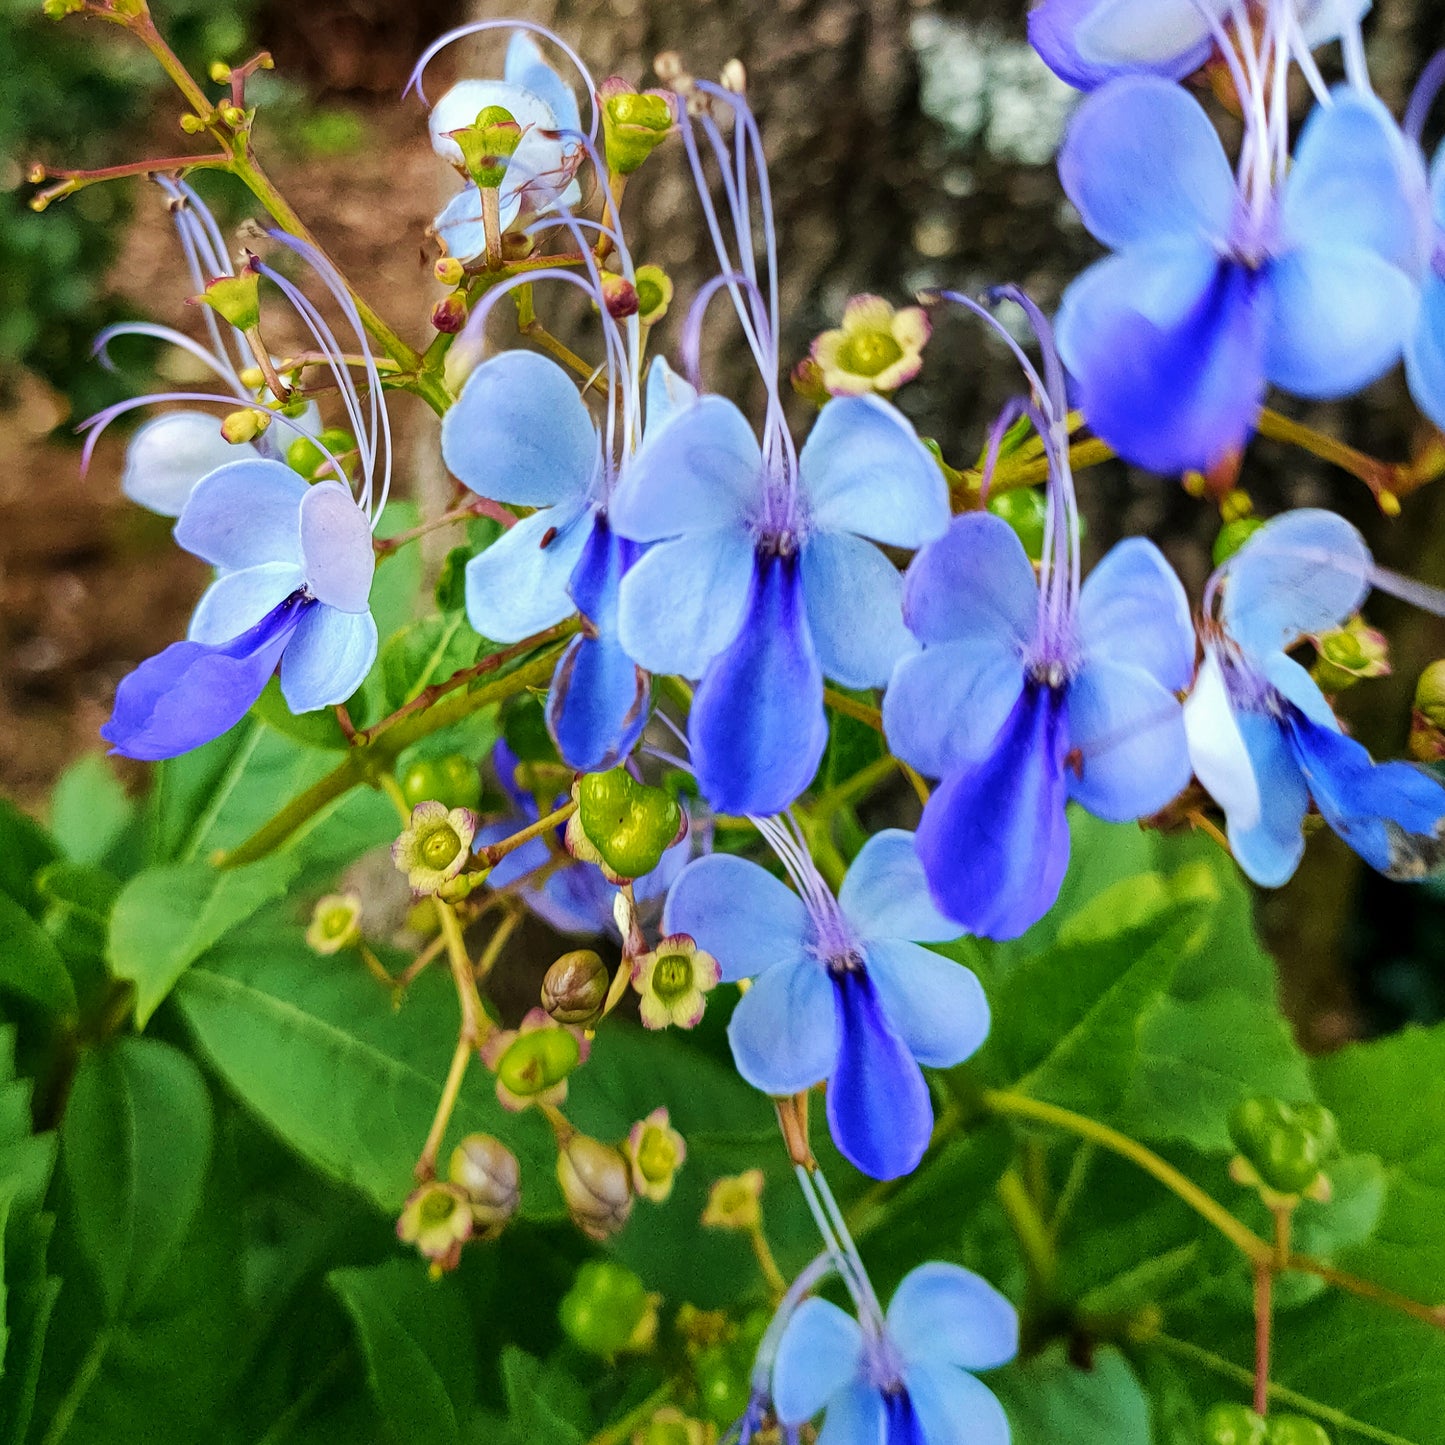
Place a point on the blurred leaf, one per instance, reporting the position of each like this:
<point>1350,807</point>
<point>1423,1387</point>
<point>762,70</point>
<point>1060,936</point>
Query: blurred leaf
<point>89,809</point>
<point>25,848</point>
<point>1050,1401</point>
<point>30,964</point>
<point>78,902</point>
<point>543,1402</point>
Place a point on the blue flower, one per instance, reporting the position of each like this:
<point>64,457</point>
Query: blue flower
<point>1217,289</point>
<point>1089,42</point>
<point>541,170</point>
<point>841,989</point>
<point>905,1379</point>
<point>1264,741</point>
<point>1425,350</point>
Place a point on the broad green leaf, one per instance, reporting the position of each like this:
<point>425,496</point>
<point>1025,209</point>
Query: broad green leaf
<point>89,809</point>
<point>78,899</point>
<point>167,917</point>
<point>423,652</point>
<point>25,848</point>
<point>543,1401</point>
<point>318,729</point>
<point>31,967</point>
<point>135,1145</point>
<point>416,1336</point>
<point>1050,1401</point>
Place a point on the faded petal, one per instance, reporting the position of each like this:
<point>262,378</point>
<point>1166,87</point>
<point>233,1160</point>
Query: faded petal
<point>738,912</point>
<point>518,586</point>
<point>885,895</point>
<point>244,514</point>
<point>328,658</point>
<point>854,596</point>
<point>784,1031</point>
<point>169,454</point>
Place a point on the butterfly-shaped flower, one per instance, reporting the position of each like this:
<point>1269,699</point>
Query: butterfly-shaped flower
<point>842,989</point>
<point>1264,740</point>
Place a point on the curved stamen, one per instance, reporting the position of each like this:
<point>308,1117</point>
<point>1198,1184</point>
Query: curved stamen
<point>157,332</point>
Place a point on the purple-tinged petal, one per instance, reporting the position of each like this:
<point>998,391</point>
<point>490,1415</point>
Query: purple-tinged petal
<point>784,1031</point>
<point>237,601</point>
<point>879,1112</point>
<point>328,658</point>
<point>700,472</point>
<point>336,547</point>
<point>520,433</point>
<point>854,596</point>
<point>975,583</point>
<point>946,1315</point>
<point>466,100</point>
<point>944,706</point>
<point>885,895</point>
<point>598,704</point>
<point>1142,162</point>
<point>1303,572</point>
<point>820,1353</point>
<point>667,394</point>
<point>684,601</point>
<point>244,514</point>
<point>953,1408</point>
<point>1129,756</point>
<point>192,692</point>
<point>1089,42</point>
<point>757,726</point>
<point>994,839</point>
<point>1425,352</point>
<point>1270,851</point>
<point>1133,610</point>
<point>1216,746</point>
<point>1167,396</point>
<point>525,66</point>
<point>739,913</point>
<point>863,470</point>
<point>1340,317</point>
<point>518,586</point>
<point>936,1006</point>
<point>169,454</point>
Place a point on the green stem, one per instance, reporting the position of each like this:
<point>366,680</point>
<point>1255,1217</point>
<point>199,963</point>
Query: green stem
<point>1029,1229</point>
<point>622,1431</point>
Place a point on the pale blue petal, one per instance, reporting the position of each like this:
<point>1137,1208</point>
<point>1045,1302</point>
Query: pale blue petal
<point>521,434</point>
<point>885,895</point>
<point>856,1415</point>
<point>336,547</point>
<point>975,583</point>
<point>863,470</point>
<point>244,514</point>
<point>459,227</point>
<point>854,596</point>
<point>667,394</point>
<point>517,586</point>
<point>683,602</point>
<point>1133,610</point>
<point>1425,353</point>
<point>944,706</point>
<point>466,100</point>
<point>784,1031</point>
<point>525,66</point>
<point>1271,850</point>
<point>1324,20</point>
<point>1340,317</point>
<point>935,1006</point>
<point>169,454</point>
<point>701,472</point>
<point>328,658</point>
<point>1216,746</point>
<point>1142,162</point>
<point>1287,677</point>
<point>739,913</point>
<point>955,1409</point>
<point>946,1315</point>
<point>1089,42</point>
<point>1303,572</point>
<point>236,601</point>
<point>1129,753</point>
<point>821,1351</point>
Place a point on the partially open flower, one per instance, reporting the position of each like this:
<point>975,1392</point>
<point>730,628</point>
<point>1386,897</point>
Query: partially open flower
<point>434,849</point>
<point>877,348</point>
<point>674,980</point>
<point>596,1183</point>
<point>532,1062</point>
<point>656,1151</point>
<point>335,923</point>
<point>735,1202</point>
<point>437,1218</point>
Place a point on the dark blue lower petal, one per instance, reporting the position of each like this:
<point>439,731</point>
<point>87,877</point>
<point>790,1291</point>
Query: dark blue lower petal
<point>878,1105</point>
<point>1391,814</point>
<point>994,839</point>
<point>194,691</point>
<point>903,1426</point>
<point>757,727</point>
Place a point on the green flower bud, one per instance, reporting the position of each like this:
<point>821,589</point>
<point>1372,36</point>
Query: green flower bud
<point>575,988</point>
<point>608,1311</point>
<point>235,298</point>
<point>622,824</point>
<point>1232,536</point>
<point>487,1172</point>
<point>453,781</point>
<point>1427,721</point>
<point>488,144</point>
<point>634,123</point>
<point>449,271</point>
<point>619,295</point>
<point>654,294</point>
<point>595,1181</point>
<point>1023,508</point>
<point>806,379</point>
<point>1286,1145</point>
<point>1232,1425</point>
<point>1295,1430</point>
<point>449,315</point>
<point>335,923</point>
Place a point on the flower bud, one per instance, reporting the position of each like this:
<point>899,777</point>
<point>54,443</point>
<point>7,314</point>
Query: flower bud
<point>806,379</point>
<point>1295,1430</point>
<point>192,124</point>
<point>438,1220</point>
<point>1427,721</point>
<point>596,1184</point>
<point>335,923</point>
<point>656,1152</point>
<point>449,271</point>
<point>59,9</point>
<point>532,1063</point>
<point>634,123</point>
<point>233,115</point>
<point>735,1202</point>
<point>608,1311</point>
<point>1349,654</point>
<point>488,144</point>
<point>575,988</point>
<point>619,295</point>
<point>622,825</point>
<point>876,349</point>
<point>1232,1425</point>
<point>1283,1146</point>
<point>674,980</point>
<point>244,426</point>
<point>449,315</point>
<point>487,1172</point>
<point>1232,536</point>
<point>435,848</point>
<point>654,293</point>
<point>453,781</point>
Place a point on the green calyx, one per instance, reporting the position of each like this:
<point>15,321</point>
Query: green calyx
<point>629,824</point>
<point>869,353</point>
<point>1232,536</point>
<point>538,1061</point>
<point>634,124</point>
<point>309,457</point>
<point>1287,1144</point>
<point>654,293</point>
<point>603,1309</point>
<point>488,144</point>
<point>236,299</point>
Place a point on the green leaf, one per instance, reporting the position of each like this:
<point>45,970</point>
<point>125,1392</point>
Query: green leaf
<point>78,900</point>
<point>1050,1401</point>
<point>89,809</point>
<point>25,848</point>
<point>30,965</point>
<point>423,652</point>
<point>135,1145</point>
<point>544,1402</point>
<point>318,729</point>
<point>167,917</point>
<point>416,1336</point>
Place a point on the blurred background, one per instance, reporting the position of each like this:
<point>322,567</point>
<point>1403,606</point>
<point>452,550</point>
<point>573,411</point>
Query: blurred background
<point>911,144</point>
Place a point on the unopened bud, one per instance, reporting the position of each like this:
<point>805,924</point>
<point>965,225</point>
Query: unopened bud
<point>220,72</point>
<point>192,124</point>
<point>575,987</point>
<point>335,923</point>
<point>608,1311</point>
<point>654,294</point>
<point>488,144</point>
<point>596,1184</point>
<point>634,123</point>
<point>234,298</point>
<point>59,9</point>
<point>487,1172</point>
<point>1234,505</point>
<point>807,380</point>
<point>734,77</point>
<point>449,315</point>
<point>1232,536</point>
<point>244,426</point>
<point>1427,720</point>
<point>449,271</point>
<point>532,1063</point>
<point>622,825</point>
<point>310,457</point>
<point>232,115</point>
<point>619,295</point>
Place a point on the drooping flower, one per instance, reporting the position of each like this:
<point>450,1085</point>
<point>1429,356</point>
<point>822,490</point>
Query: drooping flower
<point>1307,281</point>
<point>842,990</point>
<point>1029,693</point>
<point>539,173</point>
<point>766,576</point>
<point>294,565</point>
<point>876,349</point>
<point>904,1378</point>
<point>1089,42</point>
<point>1264,741</point>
